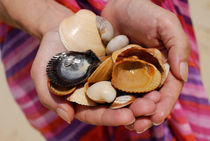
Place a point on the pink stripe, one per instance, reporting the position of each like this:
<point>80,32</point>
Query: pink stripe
<point>199,129</point>
<point>183,7</point>
<point>3,30</point>
<point>205,112</point>
<point>198,119</point>
<point>194,90</point>
<point>184,129</point>
<point>27,97</point>
<point>44,120</point>
<point>21,88</point>
<point>20,52</point>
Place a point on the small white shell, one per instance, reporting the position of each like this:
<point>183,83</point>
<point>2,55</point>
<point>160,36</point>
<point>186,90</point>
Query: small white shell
<point>105,29</point>
<point>122,101</point>
<point>101,92</point>
<point>116,43</point>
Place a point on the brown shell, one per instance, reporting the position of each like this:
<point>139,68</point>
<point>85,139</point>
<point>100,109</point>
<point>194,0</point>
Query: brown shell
<point>135,76</point>
<point>122,101</point>
<point>102,73</point>
<point>60,91</point>
<point>81,98</point>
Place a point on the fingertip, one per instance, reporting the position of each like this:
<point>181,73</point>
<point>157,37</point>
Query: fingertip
<point>142,106</point>
<point>142,124</point>
<point>65,111</point>
<point>154,96</point>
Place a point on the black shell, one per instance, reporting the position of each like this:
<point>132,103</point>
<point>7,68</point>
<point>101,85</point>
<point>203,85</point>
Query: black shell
<point>72,68</point>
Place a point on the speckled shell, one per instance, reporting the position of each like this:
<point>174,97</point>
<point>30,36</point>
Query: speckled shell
<point>135,76</point>
<point>79,33</point>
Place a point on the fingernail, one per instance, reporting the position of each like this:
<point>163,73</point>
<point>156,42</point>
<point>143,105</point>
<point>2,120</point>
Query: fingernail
<point>156,124</point>
<point>184,71</point>
<point>139,132</point>
<point>132,121</point>
<point>63,115</point>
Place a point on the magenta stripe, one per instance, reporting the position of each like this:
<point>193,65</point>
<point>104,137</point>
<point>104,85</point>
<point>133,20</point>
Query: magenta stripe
<point>3,30</point>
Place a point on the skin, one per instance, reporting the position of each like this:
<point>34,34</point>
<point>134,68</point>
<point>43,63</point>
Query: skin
<point>145,23</point>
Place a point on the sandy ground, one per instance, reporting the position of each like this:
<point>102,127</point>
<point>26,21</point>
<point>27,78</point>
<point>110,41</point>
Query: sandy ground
<point>14,126</point>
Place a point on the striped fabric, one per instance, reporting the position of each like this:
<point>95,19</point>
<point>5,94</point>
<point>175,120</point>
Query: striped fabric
<point>190,119</point>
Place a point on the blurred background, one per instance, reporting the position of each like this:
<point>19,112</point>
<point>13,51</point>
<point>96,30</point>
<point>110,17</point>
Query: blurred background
<point>14,126</point>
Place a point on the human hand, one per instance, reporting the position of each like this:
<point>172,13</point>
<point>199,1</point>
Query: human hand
<point>154,27</point>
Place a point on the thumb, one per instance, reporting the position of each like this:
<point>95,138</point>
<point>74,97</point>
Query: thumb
<point>177,44</point>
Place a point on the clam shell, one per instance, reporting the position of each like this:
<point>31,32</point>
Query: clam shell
<point>79,33</point>
<point>122,101</point>
<point>81,98</point>
<point>150,55</point>
<point>60,91</point>
<point>135,76</point>
<point>165,74</point>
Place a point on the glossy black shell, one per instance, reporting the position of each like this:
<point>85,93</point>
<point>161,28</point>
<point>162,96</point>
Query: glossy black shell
<point>72,68</point>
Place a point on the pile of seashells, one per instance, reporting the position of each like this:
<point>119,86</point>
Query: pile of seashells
<point>91,74</point>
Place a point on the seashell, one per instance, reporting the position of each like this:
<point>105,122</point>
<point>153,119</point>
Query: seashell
<point>117,43</point>
<point>135,76</point>
<point>60,91</point>
<point>101,92</point>
<point>105,29</point>
<point>150,55</point>
<point>79,33</point>
<point>122,101</point>
<point>71,68</point>
<point>165,74</point>
<point>103,72</point>
<point>80,97</point>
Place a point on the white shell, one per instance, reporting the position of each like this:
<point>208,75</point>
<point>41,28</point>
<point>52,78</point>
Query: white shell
<point>105,29</point>
<point>102,92</point>
<point>165,74</point>
<point>80,33</point>
<point>116,43</point>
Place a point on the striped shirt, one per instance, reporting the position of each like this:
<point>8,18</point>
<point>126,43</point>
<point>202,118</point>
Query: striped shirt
<point>188,121</point>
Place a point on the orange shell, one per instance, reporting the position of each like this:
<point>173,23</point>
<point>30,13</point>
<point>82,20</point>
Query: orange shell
<point>56,90</point>
<point>102,73</point>
<point>135,76</point>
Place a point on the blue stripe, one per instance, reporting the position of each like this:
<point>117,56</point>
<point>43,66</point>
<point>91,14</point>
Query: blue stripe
<point>186,18</point>
<point>194,81</point>
<point>194,99</point>
<point>22,63</point>
<point>16,44</point>
<point>70,129</point>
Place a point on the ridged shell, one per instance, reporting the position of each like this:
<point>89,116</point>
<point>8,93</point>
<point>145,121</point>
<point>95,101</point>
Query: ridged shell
<point>79,33</point>
<point>122,101</point>
<point>60,91</point>
<point>71,68</point>
<point>81,98</point>
<point>135,76</point>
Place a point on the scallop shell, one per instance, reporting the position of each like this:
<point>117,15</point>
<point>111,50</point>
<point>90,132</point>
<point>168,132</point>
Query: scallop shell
<point>135,76</point>
<point>122,101</point>
<point>81,98</point>
<point>79,33</point>
<point>60,91</point>
<point>71,68</point>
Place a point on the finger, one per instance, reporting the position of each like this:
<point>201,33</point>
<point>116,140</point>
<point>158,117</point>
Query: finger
<point>154,96</point>
<point>142,124</point>
<point>104,116</point>
<point>142,106</point>
<point>169,94</point>
<point>177,43</point>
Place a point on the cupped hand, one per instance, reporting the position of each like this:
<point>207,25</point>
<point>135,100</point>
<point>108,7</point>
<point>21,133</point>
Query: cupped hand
<point>154,27</point>
<point>51,45</point>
